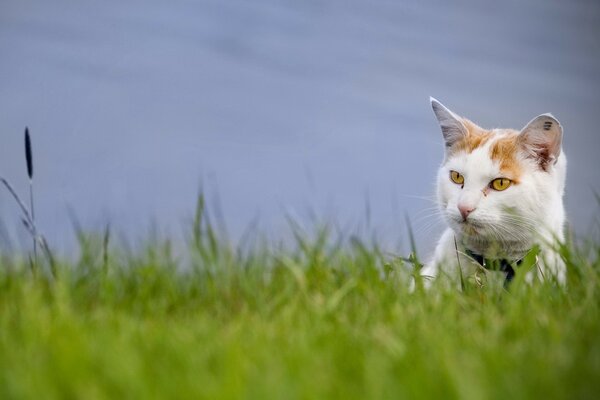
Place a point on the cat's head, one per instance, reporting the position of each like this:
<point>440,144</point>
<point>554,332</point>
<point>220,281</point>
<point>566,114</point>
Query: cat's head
<point>501,185</point>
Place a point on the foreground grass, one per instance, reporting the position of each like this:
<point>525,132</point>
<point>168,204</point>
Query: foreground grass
<point>318,321</point>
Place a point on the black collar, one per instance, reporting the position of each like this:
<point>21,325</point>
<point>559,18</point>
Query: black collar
<point>503,265</point>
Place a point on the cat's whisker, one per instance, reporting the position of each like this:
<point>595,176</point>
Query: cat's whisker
<point>431,215</point>
<point>424,230</point>
<point>428,211</point>
<point>503,231</point>
<point>431,219</point>
<point>432,199</point>
<point>520,219</point>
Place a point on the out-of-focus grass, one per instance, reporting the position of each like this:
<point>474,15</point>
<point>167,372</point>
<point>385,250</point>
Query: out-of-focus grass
<point>316,320</point>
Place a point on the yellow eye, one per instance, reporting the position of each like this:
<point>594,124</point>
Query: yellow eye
<point>457,178</point>
<point>500,184</point>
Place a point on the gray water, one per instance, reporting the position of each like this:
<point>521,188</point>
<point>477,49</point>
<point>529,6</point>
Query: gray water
<point>279,107</point>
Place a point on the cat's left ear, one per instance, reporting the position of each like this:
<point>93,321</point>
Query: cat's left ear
<point>452,126</point>
<point>541,139</point>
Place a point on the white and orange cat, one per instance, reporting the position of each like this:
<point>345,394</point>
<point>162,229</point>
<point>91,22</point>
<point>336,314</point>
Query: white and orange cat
<point>501,193</point>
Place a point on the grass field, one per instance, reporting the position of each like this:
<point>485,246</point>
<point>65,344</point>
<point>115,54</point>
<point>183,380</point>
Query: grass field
<point>325,318</point>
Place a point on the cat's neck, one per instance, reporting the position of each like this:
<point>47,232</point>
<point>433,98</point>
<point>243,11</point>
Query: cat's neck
<point>493,248</point>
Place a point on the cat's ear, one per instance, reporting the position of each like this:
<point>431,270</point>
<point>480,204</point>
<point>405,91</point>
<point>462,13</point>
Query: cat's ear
<point>452,126</point>
<point>541,139</point>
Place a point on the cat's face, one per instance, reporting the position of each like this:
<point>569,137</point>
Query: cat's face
<point>495,186</point>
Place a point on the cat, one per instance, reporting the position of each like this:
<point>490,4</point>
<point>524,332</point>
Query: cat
<point>501,193</point>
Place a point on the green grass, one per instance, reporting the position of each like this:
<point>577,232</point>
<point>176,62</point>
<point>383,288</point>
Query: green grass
<point>325,318</point>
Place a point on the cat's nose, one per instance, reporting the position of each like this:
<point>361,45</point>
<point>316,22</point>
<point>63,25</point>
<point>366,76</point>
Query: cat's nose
<point>465,210</point>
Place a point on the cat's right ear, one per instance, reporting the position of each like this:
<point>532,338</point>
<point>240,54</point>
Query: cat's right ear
<point>542,139</point>
<point>452,127</point>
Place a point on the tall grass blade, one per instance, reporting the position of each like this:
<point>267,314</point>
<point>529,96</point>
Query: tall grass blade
<point>105,244</point>
<point>28,154</point>
<point>22,205</point>
<point>29,160</point>
<point>413,257</point>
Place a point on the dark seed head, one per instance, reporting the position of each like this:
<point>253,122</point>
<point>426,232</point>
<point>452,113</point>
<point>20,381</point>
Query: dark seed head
<point>28,154</point>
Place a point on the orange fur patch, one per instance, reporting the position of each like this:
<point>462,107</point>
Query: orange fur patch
<point>476,137</point>
<point>504,151</point>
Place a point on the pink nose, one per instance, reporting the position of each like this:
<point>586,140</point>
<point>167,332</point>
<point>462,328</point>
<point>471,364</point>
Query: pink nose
<point>465,210</point>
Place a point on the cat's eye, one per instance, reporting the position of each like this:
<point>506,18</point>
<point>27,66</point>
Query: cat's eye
<point>457,178</point>
<point>500,184</point>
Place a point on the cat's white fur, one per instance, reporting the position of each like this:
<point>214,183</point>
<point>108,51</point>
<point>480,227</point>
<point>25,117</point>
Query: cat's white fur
<point>503,224</point>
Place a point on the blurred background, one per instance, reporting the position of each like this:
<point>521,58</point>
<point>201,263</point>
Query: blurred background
<point>278,107</point>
